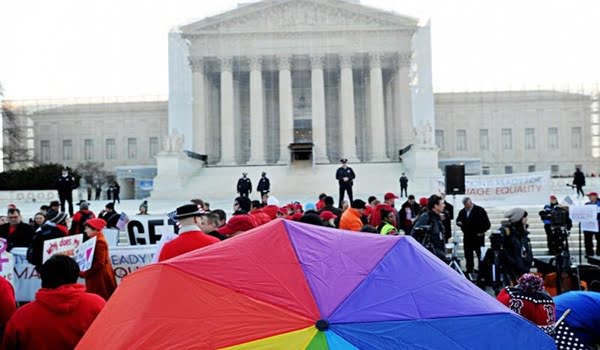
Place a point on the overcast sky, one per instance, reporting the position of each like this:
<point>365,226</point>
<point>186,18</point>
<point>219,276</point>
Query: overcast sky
<point>75,48</point>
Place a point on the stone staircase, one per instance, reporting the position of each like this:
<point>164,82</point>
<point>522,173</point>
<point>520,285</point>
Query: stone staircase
<point>537,235</point>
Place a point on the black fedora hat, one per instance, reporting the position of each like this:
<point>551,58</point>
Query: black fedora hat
<point>188,210</point>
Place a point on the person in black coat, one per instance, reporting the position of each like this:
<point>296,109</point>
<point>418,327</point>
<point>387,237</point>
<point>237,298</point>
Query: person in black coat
<point>579,182</point>
<point>403,185</point>
<point>329,206</point>
<point>17,233</point>
<point>429,229</point>
<point>244,186</point>
<point>473,222</point>
<point>516,243</point>
<point>345,176</point>
<point>65,184</point>
<point>447,218</point>
<point>109,215</point>
<point>116,193</point>
<point>264,185</point>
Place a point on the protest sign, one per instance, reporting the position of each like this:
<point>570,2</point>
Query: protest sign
<point>124,260</point>
<point>84,256</point>
<point>112,236</point>
<point>503,190</point>
<point>145,229</point>
<point>63,246</point>
<point>589,226</point>
<point>583,213</point>
<point>7,262</point>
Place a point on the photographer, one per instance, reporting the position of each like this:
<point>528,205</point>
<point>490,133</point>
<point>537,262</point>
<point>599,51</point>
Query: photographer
<point>473,222</point>
<point>516,243</point>
<point>429,229</point>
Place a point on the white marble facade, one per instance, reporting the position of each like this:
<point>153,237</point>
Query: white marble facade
<point>272,73</point>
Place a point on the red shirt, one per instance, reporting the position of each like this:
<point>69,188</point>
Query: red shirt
<point>538,307</point>
<point>57,319</point>
<point>12,229</point>
<point>187,241</point>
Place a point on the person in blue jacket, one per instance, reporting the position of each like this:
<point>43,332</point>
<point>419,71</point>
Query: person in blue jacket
<point>584,319</point>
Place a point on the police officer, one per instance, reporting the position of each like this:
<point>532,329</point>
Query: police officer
<point>264,185</point>
<point>244,185</point>
<point>65,184</point>
<point>403,185</point>
<point>345,176</point>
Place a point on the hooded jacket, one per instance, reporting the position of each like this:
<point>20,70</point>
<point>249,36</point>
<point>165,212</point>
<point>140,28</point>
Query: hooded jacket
<point>57,319</point>
<point>7,303</point>
<point>351,220</point>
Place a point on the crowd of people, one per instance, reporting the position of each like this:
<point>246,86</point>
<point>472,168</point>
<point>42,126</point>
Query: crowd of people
<point>428,220</point>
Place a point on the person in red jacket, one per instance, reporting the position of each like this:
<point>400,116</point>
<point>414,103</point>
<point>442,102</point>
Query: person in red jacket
<point>387,205</point>
<point>7,303</point>
<point>80,218</point>
<point>100,278</point>
<point>60,315</point>
<point>529,299</point>
<point>258,214</point>
<point>190,236</point>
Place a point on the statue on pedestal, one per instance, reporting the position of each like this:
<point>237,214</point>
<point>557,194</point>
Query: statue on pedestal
<point>422,134</point>
<point>173,143</point>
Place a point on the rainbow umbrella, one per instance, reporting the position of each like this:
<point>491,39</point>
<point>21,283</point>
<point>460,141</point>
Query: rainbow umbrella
<point>288,285</point>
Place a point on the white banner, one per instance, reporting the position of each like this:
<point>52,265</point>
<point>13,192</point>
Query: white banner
<point>506,190</point>
<point>148,229</point>
<point>583,213</point>
<point>7,262</point>
<point>62,246</point>
<point>125,260</point>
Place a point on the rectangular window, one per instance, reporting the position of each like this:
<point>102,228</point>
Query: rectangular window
<point>88,149</point>
<point>461,140</point>
<point>153,146</point>
<point>45,151</point>
<point>553,138</point>
<point>131,148</point>
<point>576,137</point>
<point>67,150</point>
<point>484,140</point>
<point>506,139</point>
<point>485,170</point>
<point>554,169</point>
<point>439,139</point>
<point>529,138</point>
<point>111,149</point>
<point>531,169</point>
<point>508,169</point>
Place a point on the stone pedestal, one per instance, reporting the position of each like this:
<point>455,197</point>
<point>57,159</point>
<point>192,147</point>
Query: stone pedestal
<point>175,169</point>
<point>421,162</point>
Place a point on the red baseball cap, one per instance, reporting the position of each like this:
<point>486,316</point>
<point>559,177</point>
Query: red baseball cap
<point>423,201</point>
<point>327,215</point>
<point>553,197</point>
<point>390,195</point>
<point>238,223</point>
<point>593,194</point>
<point>296,216</point>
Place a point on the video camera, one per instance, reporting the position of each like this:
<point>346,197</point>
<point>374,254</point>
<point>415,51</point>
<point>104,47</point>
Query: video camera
<point>559,217</point>
<point>496,240</point>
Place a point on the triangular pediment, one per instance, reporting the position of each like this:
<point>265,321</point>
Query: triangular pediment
<point>286,15</point>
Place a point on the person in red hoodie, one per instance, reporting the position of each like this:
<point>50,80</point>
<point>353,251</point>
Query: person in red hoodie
<point>190,236</point>
<point>7,303</point>
<point>321,203</point>
<point>258,214</point>
<point>60,315</point>
<point>387,205</point>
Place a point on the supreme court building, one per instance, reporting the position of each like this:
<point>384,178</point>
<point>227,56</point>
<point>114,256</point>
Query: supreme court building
<point>263,83</point>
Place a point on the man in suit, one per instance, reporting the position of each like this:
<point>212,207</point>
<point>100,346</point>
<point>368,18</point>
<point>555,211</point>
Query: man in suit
<point>16,232</point>
<point>473,222</point>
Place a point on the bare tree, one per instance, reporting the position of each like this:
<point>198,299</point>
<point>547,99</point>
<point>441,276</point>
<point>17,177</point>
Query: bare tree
<point>15,153</point>
<point>93,173</point>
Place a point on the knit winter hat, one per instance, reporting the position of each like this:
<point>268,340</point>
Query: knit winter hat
<point>515,215</point>
<point>531,283</point>
<point>56,217</point>
<point>96,224</point>
<point>144,204</point>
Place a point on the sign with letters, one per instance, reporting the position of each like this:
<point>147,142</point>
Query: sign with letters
<point>583,213</point>
<point>84,256</point>
<point>501,190</point>
<point>148,229</point>
<point>61,246</point>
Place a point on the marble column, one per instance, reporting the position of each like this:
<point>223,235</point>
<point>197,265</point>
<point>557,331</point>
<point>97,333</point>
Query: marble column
<point>390,123</point>
<point>348,121</point>
<point>227,123</point>
<point>404,122</point>
<point>257,115</point>
<point>319,127</point>
<point>286,108</point>
<point>377,136</point>
<point>199,121</point>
